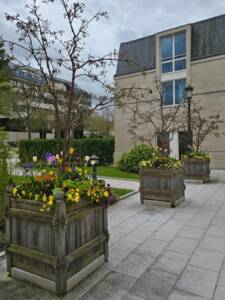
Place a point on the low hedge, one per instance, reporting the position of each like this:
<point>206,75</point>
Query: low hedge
<point>102,147</point>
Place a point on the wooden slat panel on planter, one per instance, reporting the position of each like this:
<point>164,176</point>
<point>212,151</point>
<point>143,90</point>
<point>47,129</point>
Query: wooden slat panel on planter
<point>162,184</point>
<point>196,168</point>
<point>55,245</point>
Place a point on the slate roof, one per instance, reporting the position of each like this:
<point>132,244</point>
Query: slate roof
<point>208,39</point>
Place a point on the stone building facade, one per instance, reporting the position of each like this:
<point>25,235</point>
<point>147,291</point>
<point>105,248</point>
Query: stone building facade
<point>193,54</point>
<point>15,125</point>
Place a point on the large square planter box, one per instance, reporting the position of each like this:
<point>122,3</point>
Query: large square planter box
<point>197,169</point>
<point>55,250</point>
<point>162,186</point>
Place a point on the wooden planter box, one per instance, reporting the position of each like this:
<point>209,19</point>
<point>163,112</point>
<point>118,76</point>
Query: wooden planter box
<point>162,186</point>
<point>196,169</point>
<point>55,250</point>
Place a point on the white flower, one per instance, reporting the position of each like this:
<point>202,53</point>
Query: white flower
<point>93,162</point>
<point>57,156</point>
<point>34,158</point>
<point>61,153</point>
<point>87,158</point>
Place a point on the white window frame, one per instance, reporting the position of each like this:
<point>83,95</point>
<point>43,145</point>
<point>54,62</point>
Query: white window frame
<point>174,59</point>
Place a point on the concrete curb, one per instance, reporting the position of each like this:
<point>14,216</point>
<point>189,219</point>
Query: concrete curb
<point>118,178</point>
<point>128,195</point>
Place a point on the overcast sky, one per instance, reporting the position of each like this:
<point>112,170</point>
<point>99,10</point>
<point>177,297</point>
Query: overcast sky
<point>129,19</point>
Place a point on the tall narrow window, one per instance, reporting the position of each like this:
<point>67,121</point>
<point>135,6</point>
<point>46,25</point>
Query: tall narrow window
<point>167,92</point>
<point>173,92</point>
<point>173,53</point>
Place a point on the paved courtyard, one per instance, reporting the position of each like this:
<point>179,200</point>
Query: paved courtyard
<point>155,253</point>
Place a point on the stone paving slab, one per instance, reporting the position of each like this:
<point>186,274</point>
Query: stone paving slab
<point>155,252</point>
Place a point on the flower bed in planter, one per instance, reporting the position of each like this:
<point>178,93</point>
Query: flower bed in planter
<point>57,231</point>
<point>196,166</point>
<point>162,182</point>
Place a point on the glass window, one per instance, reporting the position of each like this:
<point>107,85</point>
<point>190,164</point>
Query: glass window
<point>179,90</point>
<point>180,64</point>
<point>167,67</point>
<point>167,48</point>
<point>180,44</point>
<point>167,92</point>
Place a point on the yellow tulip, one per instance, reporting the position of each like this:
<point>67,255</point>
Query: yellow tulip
<point>72,150</point>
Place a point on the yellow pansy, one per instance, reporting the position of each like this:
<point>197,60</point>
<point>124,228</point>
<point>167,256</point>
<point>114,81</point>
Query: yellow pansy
<point>36,197</point>
<point>14,191</point>
<point>50,200</point>
<point>79,171</point>
<point>106,194</point>
<point>69,196</point>
<point>69,170</point>
<point>77,198</point>
<point>44,198</point>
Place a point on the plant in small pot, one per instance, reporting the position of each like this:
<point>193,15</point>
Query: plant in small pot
<point>196,161</point>
<point>57,226</point>
<point>161,181</point>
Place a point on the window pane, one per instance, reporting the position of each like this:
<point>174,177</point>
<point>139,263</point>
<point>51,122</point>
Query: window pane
<point>179,90</point>
<point>180,44</point>
<point>167,92</point>
<point>167,67</point>
<point>180,64</point>
<point>167,48</point>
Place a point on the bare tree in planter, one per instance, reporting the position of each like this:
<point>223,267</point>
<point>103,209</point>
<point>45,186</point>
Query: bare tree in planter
<point>55,51</point>
<point>149,112</point>
<point>196,162</point>
<point>160,183</point>
<point>203,126</point>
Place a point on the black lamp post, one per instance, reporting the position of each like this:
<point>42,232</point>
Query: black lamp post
<point>94,161</point>
<point>189,91</point>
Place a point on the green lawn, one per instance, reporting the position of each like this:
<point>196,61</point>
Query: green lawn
<point>111,171</point>
<point>118,192</point>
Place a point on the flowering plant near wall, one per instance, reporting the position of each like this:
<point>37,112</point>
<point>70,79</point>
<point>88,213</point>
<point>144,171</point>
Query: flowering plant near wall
<point>194,154</point>
<point>72,180</point>
<point>159,160</point>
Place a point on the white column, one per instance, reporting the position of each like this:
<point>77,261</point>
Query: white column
<point>174,144</point>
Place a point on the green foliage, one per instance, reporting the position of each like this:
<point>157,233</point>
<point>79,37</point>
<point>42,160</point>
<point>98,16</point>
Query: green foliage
<point>4,177</point>
<point>130,161</point>
<point>102,147</point>
<point>159,161</point>
<point>196,155</point>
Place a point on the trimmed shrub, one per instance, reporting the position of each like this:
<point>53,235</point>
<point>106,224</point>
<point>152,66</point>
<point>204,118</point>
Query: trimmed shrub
<point>130,161</point>
<point>102,147</point>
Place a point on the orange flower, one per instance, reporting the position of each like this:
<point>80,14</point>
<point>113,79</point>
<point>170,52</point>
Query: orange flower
<point>47,177</point>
